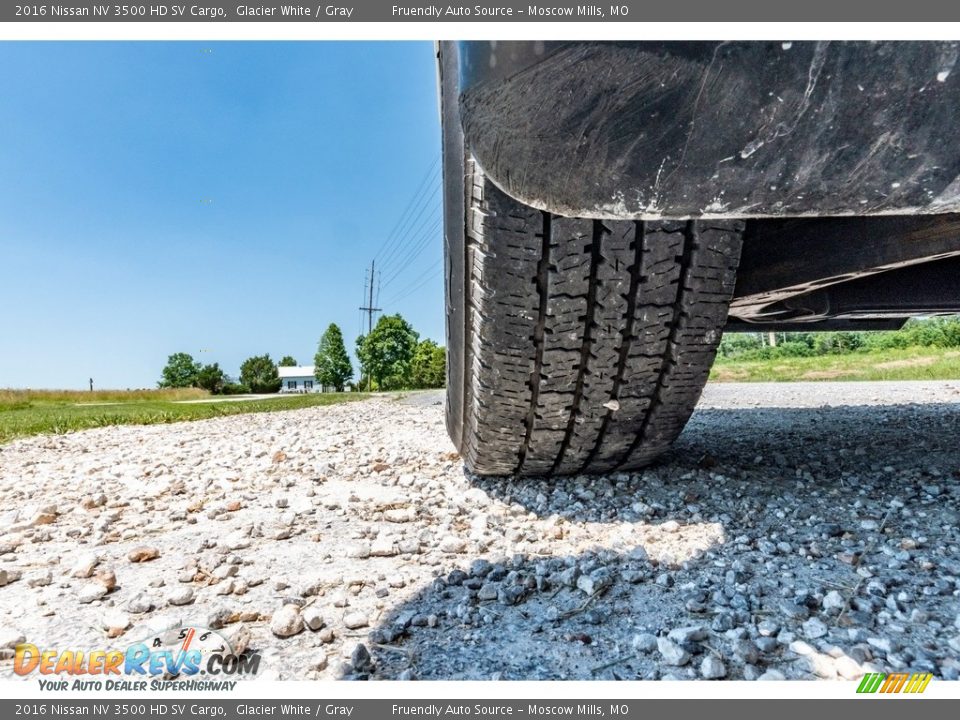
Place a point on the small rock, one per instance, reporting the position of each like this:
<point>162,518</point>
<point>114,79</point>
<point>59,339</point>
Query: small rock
<point>768,627</point>
<point>480,568</point>
<point>848,668</point>
<point>143,553</point>
<point>884,645</point>
<point>107,578</point>
<point>453,545</point>
<point>8,576</point>
<point>400,515</point>
<point>238,638</point>
<point>814,628</point>
<point>747,652</point>
<point>359,551</point>
<point>672,653</point>
<point>644,642</point>
<point>691,633</point>
<point>90,592</point>
<point>595,582</point>
<point>138,604</point>
<point>40,578</point>
<point>221,617</point>
<point>487,591</point>
<point>794,611</point>
<point>384,547</point>
<point>115,622</point>
<point>712,668</point>
<point>360,659</point>
<point>511,594</point>
<point>313,618</point>
<point>93,501</point>
<point>287,621</point>
<point>800,647</point>
<point>833,601</point>
<point>44,518</point>
<point>775,675</point>
<point>237,540</point>
<point>355,620</point>
<point>183,596</point>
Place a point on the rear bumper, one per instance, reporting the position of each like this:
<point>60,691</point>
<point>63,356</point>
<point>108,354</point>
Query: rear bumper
<point>696,129</point>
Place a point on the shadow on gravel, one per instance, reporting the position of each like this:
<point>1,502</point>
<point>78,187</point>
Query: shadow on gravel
<point>835,528</point>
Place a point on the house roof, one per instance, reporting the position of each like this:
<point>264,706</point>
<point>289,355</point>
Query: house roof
<point>295,371</point>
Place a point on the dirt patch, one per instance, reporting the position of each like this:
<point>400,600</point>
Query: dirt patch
<point>729,375</point>
<point>910,362</point>
<point>825,374</point>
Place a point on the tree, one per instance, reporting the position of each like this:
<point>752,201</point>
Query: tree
<point>429,365</point>
<point>212,379</point>
<point>259,373</point>
<point>181,371</point>
<point>387,351</point>
<point>287,361</point>
<point>332,365</point>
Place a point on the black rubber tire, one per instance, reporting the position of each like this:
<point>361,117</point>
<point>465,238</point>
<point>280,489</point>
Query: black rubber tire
<point>587,342</point>
<point>574,345</point>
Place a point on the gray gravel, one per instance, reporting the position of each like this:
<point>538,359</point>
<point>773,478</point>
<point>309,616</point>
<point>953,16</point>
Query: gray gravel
<point>798,531</point>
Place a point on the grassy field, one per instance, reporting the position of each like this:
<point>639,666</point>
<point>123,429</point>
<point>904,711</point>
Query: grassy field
<point>35,412</point>
<point>902,364</point>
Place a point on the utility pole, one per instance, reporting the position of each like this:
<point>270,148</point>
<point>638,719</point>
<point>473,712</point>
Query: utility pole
<point>370,310</point>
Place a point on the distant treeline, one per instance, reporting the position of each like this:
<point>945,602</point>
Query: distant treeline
<point>928,332</point>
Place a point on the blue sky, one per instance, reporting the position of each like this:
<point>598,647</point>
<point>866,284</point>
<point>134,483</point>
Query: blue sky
<point>221,199</point>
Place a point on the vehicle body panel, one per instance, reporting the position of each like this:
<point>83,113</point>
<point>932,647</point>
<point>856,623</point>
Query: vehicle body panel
<point>716,129</point>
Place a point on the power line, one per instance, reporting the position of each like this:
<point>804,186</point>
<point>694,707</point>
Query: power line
<point>419,285</point>
<point>418,246</point>
<point>429,269</point>
<point>392,235</point>
<point>398,247</point>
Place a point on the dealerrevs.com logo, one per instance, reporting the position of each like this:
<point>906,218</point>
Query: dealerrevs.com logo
<point>909,683</point>
<point>175,658</point>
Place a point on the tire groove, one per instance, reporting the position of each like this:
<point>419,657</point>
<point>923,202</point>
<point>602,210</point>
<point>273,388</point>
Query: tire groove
<point>627,338</point>
<point>689,243</point>
<point>468,310</point>
<point>542,281</point>
<point>596,258</point>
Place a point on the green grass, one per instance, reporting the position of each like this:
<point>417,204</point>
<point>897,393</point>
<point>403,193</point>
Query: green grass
<point>902,364</point>
<point>30,412</point>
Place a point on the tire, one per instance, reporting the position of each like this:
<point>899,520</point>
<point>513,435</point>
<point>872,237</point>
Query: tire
<point>585,343</point>
<point>574,345</point>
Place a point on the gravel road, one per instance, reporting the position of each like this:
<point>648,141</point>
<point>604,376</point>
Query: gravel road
<point>797,531</point>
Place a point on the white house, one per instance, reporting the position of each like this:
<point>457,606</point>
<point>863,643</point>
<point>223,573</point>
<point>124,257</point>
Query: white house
<point>298,379</point>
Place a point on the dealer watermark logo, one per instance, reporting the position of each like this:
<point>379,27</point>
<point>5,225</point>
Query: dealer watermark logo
<point>908,683</point>
<point>174,658</point>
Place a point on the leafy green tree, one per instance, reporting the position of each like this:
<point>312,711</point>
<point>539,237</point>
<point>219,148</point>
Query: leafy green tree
<point>212,379</point>
<point>428,367</point>
<point>332,365</point>
<point>181,371</point>
<point>259,373</point>
<point>386,353</point>
<point>287,361</point>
